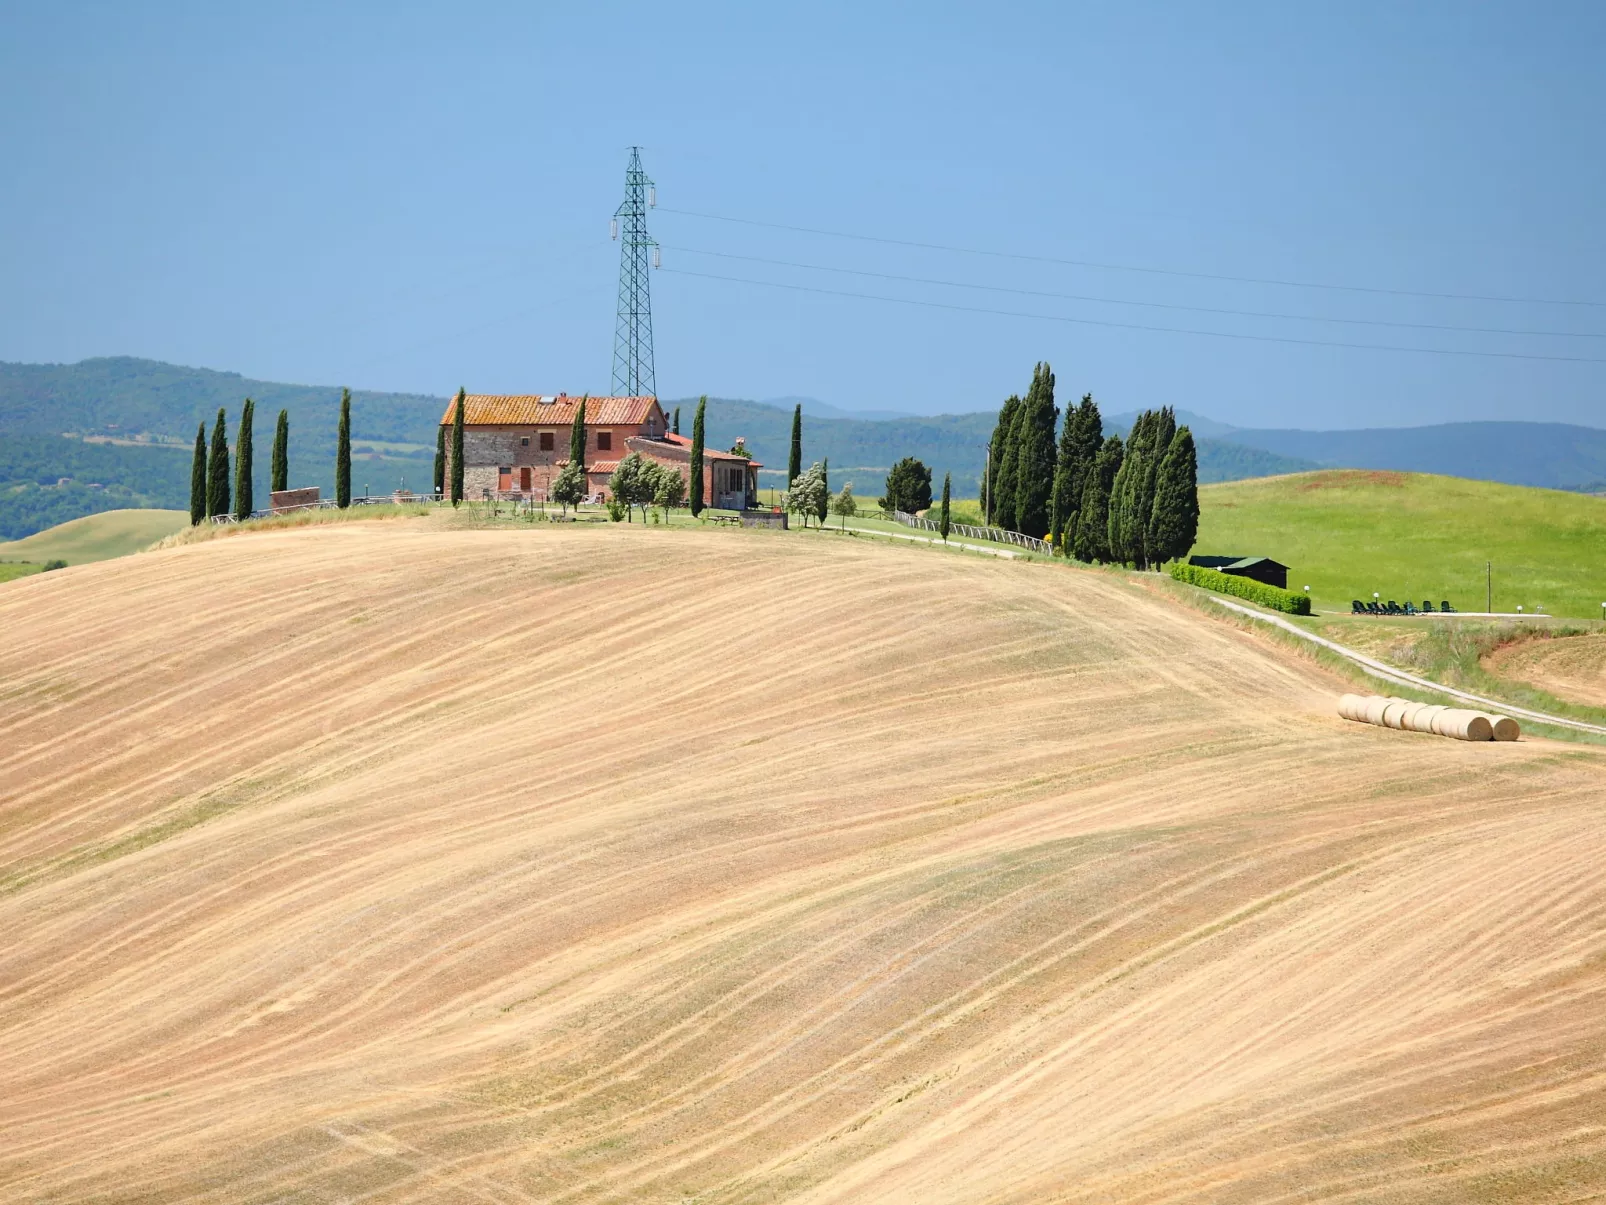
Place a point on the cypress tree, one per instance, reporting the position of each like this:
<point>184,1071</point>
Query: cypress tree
<point>198,477</point>
<point>1162,429</point>
<point>1034,455</point>
<point>217,469</point>
<point>577,437</point>
<point>343,453</point>
<point>1080,440</point>
<point>1091,539</point>
<point>281,453</point>
<point>942,523</point>
<point>1175,523</point>
<point>676,427</point>
<point>825,490</point>
<point>794,458</point>
<point>1004,459</point>
<point>244,465</point>
<point>457,444</point>
<point>440,460</point>
<point>696,484</point>
<point>1126,522</point>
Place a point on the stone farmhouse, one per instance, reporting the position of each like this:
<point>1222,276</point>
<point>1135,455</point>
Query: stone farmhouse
<point>515,445</point>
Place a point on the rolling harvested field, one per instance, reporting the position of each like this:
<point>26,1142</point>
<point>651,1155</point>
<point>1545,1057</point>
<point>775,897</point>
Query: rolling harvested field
<point>391,863</point>
<point>1571,667</point>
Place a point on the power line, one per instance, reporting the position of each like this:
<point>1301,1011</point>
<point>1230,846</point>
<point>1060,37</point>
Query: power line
<point>1087,263</point>
<point>1161,305</point>
<point>1132,326</point>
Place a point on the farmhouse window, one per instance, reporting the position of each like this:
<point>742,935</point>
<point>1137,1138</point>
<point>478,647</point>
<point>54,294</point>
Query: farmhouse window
<point>524,441</point>
<point>604,441</point>
<point>546,441</point>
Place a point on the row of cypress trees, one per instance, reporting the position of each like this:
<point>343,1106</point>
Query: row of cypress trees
<point>210,492</point>
<point>1096,498</point>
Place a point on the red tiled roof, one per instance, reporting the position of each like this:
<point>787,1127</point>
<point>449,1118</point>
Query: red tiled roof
<point>681,443</point>
<point>513,409</point>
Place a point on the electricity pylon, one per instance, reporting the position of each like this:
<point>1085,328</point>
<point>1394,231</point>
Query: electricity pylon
<point>632,337</point>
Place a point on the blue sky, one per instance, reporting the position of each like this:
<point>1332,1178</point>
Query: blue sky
<point>415,197</point>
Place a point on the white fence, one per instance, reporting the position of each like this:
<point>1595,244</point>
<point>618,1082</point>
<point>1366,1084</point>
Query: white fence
<point>966,531</point>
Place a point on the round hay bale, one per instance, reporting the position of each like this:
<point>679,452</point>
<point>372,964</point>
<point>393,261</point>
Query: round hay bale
<point>1394,713</point>
<point>1422,719</point>
<point>1352,707</point>
<point>1505,728</point>
<point>1374,709</point>
<point>1463,725</point>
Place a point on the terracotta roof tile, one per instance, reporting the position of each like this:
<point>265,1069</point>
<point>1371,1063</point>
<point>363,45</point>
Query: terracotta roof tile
<point>512,409</point>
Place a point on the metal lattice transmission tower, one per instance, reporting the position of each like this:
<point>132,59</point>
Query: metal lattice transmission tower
<point>632,337</point>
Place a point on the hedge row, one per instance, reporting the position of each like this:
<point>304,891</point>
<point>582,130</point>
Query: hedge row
<point>1243,587</point>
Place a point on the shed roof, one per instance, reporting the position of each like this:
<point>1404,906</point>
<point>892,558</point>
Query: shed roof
<point>512,409</point>
<point>1233,562</point>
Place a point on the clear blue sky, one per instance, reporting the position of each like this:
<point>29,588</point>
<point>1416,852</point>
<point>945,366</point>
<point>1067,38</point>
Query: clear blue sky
<point>415,197</point>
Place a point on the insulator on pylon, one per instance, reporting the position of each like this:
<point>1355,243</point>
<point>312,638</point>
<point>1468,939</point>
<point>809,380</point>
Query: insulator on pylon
<point>613,228</point>
<point>652,197</point>
<point>657,258</point>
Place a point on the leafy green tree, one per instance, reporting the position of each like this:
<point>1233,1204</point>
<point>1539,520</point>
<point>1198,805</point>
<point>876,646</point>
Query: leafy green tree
<point>1174,525</point>
<point>569,487</point>
<point>440,460</point>
<point>198,508</point>
<point>908,487</point>
<point>1034,455</point>
<point>577,437</point>
<point>696,484</point>
<point>343,453</point>
<point>943,523</point>
<point>1091,542</point>
<point>633,482</point>
<point>459,407</point>
<point>217,469</point>
<point>244,465</point>
<point>1008,457</point>
<point>845,505</point>
<point>279,473</point>
<point>1080,440</point>
<point>794,457</point>
<point>807,493</point>
<point>1002,432</point>
<point>669,488</point>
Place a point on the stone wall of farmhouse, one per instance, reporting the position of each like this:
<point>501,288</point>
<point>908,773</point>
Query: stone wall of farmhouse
<point>477,478</point>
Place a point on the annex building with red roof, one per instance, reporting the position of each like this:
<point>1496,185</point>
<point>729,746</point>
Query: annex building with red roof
<point>515,445</point>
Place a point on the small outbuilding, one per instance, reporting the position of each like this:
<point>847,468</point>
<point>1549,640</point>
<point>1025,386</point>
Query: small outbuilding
<point>1257,568</point>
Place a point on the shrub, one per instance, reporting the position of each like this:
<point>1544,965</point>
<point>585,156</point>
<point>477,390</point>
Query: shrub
<point>1243,587</point>
<point>57,564</point>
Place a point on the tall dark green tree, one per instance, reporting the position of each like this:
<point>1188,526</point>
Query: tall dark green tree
<point>440,460</point>
<point>1080,440</point>
<point>1003,454</point>
<point>1174,525</point>
<point>1126,524</point>
<point>695,487</point>
<point>794,458</point>
<point>1090,542</point>
<point>824,507</point>
<point>1034,454</point>
<point>908,487</point>
<point>458,410</point>
<point>281,453</point>
<point>343,453</point>
<point>577,437</point>
<point>942,522</point>
<point>245,464</point>
<point>217,469</point>
<point>676,427</point>
<point>198,477</point>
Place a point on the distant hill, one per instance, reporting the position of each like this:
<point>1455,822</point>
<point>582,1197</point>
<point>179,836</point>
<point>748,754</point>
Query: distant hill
<point>1554,455</point>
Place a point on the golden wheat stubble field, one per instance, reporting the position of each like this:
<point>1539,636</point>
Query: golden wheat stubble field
<point>387,863</point>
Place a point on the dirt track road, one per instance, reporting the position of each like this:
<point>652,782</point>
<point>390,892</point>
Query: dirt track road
<point>384,863</point>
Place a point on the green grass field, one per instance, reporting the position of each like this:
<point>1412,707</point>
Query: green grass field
<point>101,537</point>
<point>1346,533</point>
